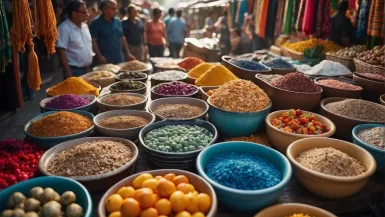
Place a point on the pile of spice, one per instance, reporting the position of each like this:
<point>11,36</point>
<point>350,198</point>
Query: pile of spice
<point>297,82</point>
<point>240,96</point>
<point>175,88</point>
<point>299,215</point>
<point>127,85</point>
<point>357,109</point>
<point>328,68</point>
<point>134,65</point>
<point>243,171</point>
<point>248,65</point>
<point>178,111</point>
<point>339,84</point>
<point>259,138</point>
<point>67,101</point>
<point>215,76</point>
<point>109,67</point>
<point>189,63</point>
<point>372,76</point>
<point>123,122</point>
<point>330,161</point>
<point>178,138</point>
<point>122,99</point>
<point>73,85</point>
<point>278,64</point>
<point>210,92</point>
<point>199,70</point>
<point>269,78</point>
<point>18,161</point>
<point>131,75</point>
<point>373,136</point>
<point>170,75</point>
<point>90,158</point>
<point>96,76</point>
<point>61,123</point>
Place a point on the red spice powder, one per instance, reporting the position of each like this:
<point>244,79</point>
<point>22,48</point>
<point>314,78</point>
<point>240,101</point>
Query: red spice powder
<point>297,82</point>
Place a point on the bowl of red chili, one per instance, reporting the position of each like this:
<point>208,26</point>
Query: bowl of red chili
<point>286,126</point>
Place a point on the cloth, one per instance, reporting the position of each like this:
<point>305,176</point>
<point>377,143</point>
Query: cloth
<point>108,35</point>
<point>258,15</point>
<point>175,49</point>
<point>133,32</point>
<point>78,71</point>
<point>323,19</point>
<point>167,20</point>
<point>241,12</point>
<point>308,20</point>
<point>176,30</point>
<point>271,18</point>
<point>155,32</point>
<point>376,18</point>
<point>76,42</point>
<point>341,28</point>
<point>287,18</point>
<point>5,43</point>
<point>263,20</point>
<point>301,13</point>
<point>156,50</point>
<point>137,51</point>
<point>294,15</point>
<point>279,19</point>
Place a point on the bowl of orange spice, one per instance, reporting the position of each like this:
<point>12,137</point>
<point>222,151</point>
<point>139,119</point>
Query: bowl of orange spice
<point>207,91</point>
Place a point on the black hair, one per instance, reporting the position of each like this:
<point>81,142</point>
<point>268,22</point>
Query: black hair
<point>179,13</point>
<point>171,11</point>
<point>103,4</point>
<point>156,12</point>
<point>123,10</point>
<point>74,6</point>
<point>130,7</point>
<point>343,6</point>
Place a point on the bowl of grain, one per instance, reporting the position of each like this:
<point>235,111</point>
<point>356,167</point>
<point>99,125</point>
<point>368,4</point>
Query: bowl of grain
<point>123,123</point>
<point>135,66</point>
<point>178,108</point>
<point>338,87</point>
<point>109,67</point>
<point>244,69</point>
<point>293,210</point>
<point>96,162</point>
<point>330,168</point>
<point>121,101</point>
<point>133,76</point>
<point>206,91</point>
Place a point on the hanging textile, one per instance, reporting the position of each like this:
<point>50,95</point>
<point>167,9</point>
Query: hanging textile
<point>279,20</point>
<point>271,18</point>
<point>355,9</point>
<point>362,22</point>
<point>5,41</point>
<point>287,19</point>
<point>308,20</point>
<point>335,5</point>
<point>294,15</point>
<point>263,20</point>
<point>233,10</point>
<point>250,6</point>
<point>241,12</point>
<point>45,23</point>
<point>323,19</point>
<point>258,15</point>
<point>376,18</point>
<point>301,13</point>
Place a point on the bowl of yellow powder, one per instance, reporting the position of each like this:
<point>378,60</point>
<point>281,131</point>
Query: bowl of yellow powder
<point>74,85</point>
<point>293,210</point>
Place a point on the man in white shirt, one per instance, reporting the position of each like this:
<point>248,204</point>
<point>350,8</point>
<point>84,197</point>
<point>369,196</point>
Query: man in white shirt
<point>75,43</point>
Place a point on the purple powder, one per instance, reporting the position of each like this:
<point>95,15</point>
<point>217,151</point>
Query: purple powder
<point>67,101</point>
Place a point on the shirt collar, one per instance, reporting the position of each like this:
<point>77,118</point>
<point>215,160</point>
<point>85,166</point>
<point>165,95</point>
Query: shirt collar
<point>74,26</point>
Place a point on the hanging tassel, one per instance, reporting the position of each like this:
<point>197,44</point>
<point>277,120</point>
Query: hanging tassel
<point>45,24</point>
<point>34,79</point>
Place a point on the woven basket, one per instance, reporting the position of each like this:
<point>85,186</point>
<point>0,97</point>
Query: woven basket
<point>285,51</point>
<point>346,61</point>
<point>368,68</point>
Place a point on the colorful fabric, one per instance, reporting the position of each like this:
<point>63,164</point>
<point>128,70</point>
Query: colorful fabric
<point>5,43</point>
<point>258,15</point>
<point>323,19</point>
<point>308,22</point>
<point>263,20</point>
<point>294,15</point>
<point>242,11</point>
<point>271,18</point>
<point>301,13</point>
<point>279,20</point>
<point>287,20</point>
<point>376,18</point>
<point>363,18</point>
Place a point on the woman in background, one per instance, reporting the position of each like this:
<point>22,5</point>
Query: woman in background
<point>156,34</point>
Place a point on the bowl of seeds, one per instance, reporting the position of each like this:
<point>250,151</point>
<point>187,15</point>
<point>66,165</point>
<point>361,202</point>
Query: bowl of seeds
<point>133,76</point>
<point>129,86</point>
<point>178,108</point>
<point>121,101</point>
<point>293,210</point>
<point>330,168</point>
<point>96,162</point>
<point>123,123</point>
<point>339,87</point>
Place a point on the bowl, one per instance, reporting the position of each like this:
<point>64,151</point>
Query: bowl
<point>131,133</point>
<point>382,99</point>
<point>113,88</point>
<point>287,209</point>
<point>281,139</point>
<point>106,107</point>
<point>372,89</point>
<point>157,81</point>
<point>246,200</point>
<point>109,67</point>
<point>280,71</point>
<point>97,86</point>
<point>236,124</point>
<point>285,99</point>
<point>179,100</point>
<point>204,89</point>
<point>59,184</point>
<point>118,76</point>
<point>378,154</point>
<point>158,96</point>
<point>200,185</point>
<point>102,81</point>
<point>335,92</point>
<point>90,97</point>
<point>344,125</point>
<point>168,160</point>
<point>240,72</point>
<point>94,183</point>
<point>147,70</point>
<point>49,142</point>
<point>160,67</point>
<point>329,186</point>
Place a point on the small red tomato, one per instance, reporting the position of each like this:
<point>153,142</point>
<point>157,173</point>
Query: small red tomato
<point>311,117</point>
<point>327,129</point>
<point>298,112</point>
<point>303,120</point>
<point>294,126</point>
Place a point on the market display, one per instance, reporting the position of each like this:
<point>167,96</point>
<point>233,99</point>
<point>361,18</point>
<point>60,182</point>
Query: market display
<point>175,88</point>
<point>248,65</point>
<point>109,67</point>
<point>131,75</point>
<point>179,111</point>
<point>339,84</point>
<point>199,70</point>
<point>259,138</point>
<point>328,68</point>
<point>67,101</point>
<point>171,75</point>
<point>133,65</point>
<point>349,51</point>
<point>371,76</point>
<point>300,46</point>
<point>123,122</point>
<point>122,99</point>
<point>189,63</point>
<point>297,82</point>
<point>278,64</point>
<point>73,85</point>
<point>127,85</point>
<point>99,75</point>
<point>374,56</point>
<point>373,136</point>
<point>270,78</point>
<point>215,76</point>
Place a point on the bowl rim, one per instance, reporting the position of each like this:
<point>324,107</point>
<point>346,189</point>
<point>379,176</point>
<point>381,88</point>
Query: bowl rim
<point>184,73</point>
<point>189,95</point>
<point>382,99</point>
<point>356,74</point>
<point>100,99</point>
<point>228,60</point>
<point>38,117</point>
<point>316,80</point>
<point>126,81</point>
<point>120,73</point>
<point>279,69</point>
<point>97,177</point>
<point>176,122</point>
<point>327,134</point>
<point>122,64</point>
<point>285,178</point>
<point>369,171</point>
<point>294,205</point>
<point>48,99</point>
<point>241,113</point>
<point>96,68</point>
<point>123,111</point>
<point>360,127</point>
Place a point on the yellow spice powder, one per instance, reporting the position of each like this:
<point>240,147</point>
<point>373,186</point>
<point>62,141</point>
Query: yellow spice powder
<point>199,70</point>
<point>73,85</point>
<point>215,76</point>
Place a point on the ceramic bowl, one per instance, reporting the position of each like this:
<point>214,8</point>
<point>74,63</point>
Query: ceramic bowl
<point>287,209</point>
<point>158,96</point>
<point>179,100</point>
<point>335,92</point>
<point>281,139</point>
<point>97,86</point>
<point>131,133</point>
<point>200,185</point>
<point>109,67</point>
<point>372,89</point>
<point>113,88</point>
<point>155,81</point>
<point>94,183</point>
<point>49,142</point>
<point>102,81</point>
<point>59,184</point>
<point>280,71</point>
<point>382,99</point>
<point>106,107</point>
<point>89,97</point>
<point>245,200</point>
<point>241,72</point>
<point>344,125</point>
<point>329,186</point>
<point>175,160</point>
<point>378,154</point>
<point>118,77</point>
<point>204,89</point>
<point>147,70</point>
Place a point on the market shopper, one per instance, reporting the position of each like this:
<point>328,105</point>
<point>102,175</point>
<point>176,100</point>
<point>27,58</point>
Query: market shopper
<point>108,40</point>
<point>156,34</point>
<point>93,12</point>
<point>236,48</point>
<point>342,31</point>
<point>210,24</point>
<point>223,28</point>
<point>133,30</point>
<point>176,31</point>
<point>171,14</point>
<point>74,42</point>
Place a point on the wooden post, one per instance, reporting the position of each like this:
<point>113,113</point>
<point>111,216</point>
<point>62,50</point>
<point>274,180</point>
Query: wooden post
<point>16,71</point>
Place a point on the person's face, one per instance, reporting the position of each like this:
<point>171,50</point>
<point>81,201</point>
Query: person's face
<point>81,14</point>
<point>157,16</point>
<point>111,9</point>
<point>132,13</point>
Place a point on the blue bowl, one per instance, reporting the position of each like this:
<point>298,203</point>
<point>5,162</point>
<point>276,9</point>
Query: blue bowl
<point>59,184</point>
<point>49,142</point>
<point>88,107</point>
<point>235,124</point>
<point>245,200</point>
<point>377,153</point>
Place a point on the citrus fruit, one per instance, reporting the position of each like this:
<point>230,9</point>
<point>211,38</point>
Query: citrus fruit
<point>169,176</point>
<point>195,192</point>
<point>192,203</point>
<point>142,190</point>
<point>146,200</point>
<point>158,177</point>
<point>115,214</point>
<point>163,206</point>
<point>180,179</point>
<point>183,214</point>
<point>204,202</point>
<point>138,181</point>
<point>113,203</point>
<point>165,188</point>
<point>130,208</point>
<point>126,192</point>
<point>198,214</point>
<point>178,201</point>
<point>156,197</point>
<point>150,212</point>
<point>185,188</point>
<point>150,183</point>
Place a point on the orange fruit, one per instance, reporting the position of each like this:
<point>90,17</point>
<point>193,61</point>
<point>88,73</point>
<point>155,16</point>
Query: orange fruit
<point>156,197</point>
<point>183,214</point>
<point>178,201</point>
<point>195,192</point>
<point>115,214</point>
<point>198,214</point>
<point>163,206</point>
<point>169,176</point>
<point>146,200</point>
<point>142,190</point>
<point>158,177</point>
<point>162,216</point>
<point>204,202</point>
<point>138,181</point>
<point>126,192</point>
<point>150,183</point>
<point>113,203</point>
<point>180,179</point>
<point>192,203</point>
<point>165,188</point>
<point>150,212</point>
<point>185,188</point>
<point>130,208</point>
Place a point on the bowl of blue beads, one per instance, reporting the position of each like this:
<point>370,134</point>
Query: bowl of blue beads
<point>245,69</point>
<point>246,176</point>
<point>279,66</point>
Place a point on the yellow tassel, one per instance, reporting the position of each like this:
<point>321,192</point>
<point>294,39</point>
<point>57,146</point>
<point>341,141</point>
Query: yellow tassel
<point>34,79</point>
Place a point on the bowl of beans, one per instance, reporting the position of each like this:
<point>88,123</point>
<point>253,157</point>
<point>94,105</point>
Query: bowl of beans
<point>286,126</point>
<point>68,102</point>
<point>294,210</point>
<point>121,101</point>
<point>330,168</point>
<point>176,144</point>
<point>246,176</point>
<point>96,162</point>
<point>173,89</point>
<point>372,138</point>
<point>244,69</point>
<point>123,123</point>
<point>133,76</point>
<point>168,76</point>
<point>373,85</point>
<point>339,87</point>
<point>128,87</point>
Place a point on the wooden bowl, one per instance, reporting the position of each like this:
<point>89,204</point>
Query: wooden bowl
<point>203,91</point>
<point>372,89</point>
<point>93,183</point>
<point>287,209</point>
<point>382,99</point>
<point>335,92</point>
<point>240,72</point>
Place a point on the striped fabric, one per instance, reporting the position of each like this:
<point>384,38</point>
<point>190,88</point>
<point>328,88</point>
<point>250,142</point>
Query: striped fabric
<point>280,13</point>
<point>376,18</point>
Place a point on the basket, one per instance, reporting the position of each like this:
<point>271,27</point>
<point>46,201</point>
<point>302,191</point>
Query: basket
<point>285,51</point>
<point>292,53</point>
<point>275,50</point>
<point>368,68</point>
<point>346,61</point>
